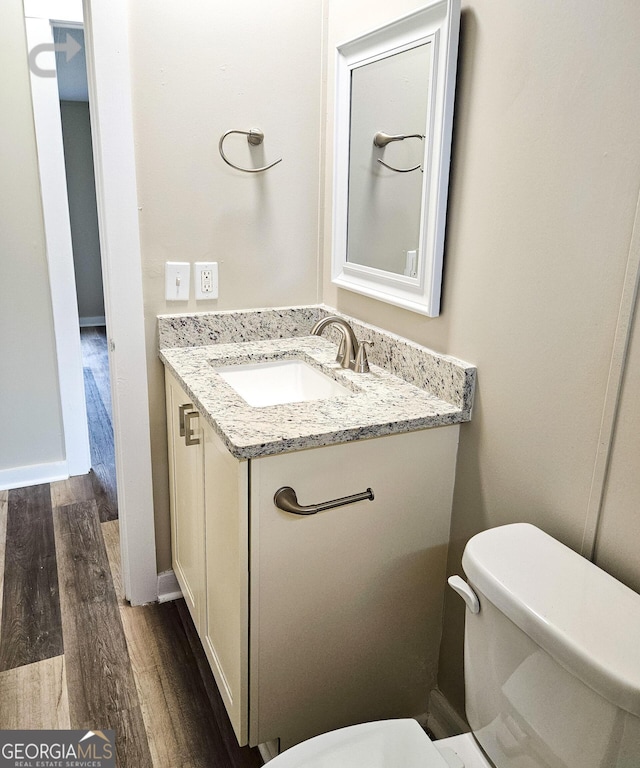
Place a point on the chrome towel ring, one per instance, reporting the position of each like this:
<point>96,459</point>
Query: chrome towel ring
<point>382,139</point>
<point>255,137</point>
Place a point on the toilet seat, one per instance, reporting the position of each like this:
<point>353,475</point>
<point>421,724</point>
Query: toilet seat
<point>383,744</point>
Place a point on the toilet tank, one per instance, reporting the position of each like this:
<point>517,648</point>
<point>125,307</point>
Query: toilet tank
<point>552,659</point>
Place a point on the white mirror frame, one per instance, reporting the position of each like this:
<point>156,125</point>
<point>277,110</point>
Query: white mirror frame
<point>437,23</point>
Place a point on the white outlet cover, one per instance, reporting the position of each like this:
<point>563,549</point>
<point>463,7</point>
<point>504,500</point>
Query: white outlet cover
<point>206,279</point>
<point>176,280</point>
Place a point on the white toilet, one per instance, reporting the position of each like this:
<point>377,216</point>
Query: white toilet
<point>552,670</point>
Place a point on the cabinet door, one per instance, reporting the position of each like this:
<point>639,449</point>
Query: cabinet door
<point>186,488</point>
<point>225,632</point>
<point>346,604</point>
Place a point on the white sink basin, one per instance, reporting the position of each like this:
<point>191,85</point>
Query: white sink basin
<point>280,381</point>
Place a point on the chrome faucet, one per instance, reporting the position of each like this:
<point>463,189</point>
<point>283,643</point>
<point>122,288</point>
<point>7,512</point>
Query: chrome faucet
<point>351,354</point>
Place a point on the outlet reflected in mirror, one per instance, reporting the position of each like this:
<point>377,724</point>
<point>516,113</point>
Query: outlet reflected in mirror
<point>394,114</point>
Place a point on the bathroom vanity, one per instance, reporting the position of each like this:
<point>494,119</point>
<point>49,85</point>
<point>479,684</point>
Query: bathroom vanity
<point>311,621</point>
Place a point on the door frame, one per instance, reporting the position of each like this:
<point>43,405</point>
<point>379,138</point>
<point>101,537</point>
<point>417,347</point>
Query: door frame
<point>107,52</point>
<point>53,186</point>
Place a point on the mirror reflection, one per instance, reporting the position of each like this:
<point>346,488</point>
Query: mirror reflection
<point>389,99</point>
<point>392,141</point>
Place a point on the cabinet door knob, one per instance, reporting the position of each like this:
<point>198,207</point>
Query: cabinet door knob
<point>189,439</point>
<point>285,499</point>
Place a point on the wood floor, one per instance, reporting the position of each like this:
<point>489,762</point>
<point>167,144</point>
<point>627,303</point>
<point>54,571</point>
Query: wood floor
<point>74,654</point>
<point>98,396</point>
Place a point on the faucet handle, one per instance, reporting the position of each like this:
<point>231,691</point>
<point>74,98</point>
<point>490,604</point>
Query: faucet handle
<point>342,356</point>
<point>361,364</point>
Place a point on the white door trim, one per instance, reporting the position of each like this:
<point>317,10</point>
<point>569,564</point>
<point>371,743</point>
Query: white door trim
<point>53,185</point>
<point>106,42</point>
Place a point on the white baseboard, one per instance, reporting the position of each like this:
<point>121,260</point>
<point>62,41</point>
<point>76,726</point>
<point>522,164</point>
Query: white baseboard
<point>168,587</point>
<point>86,322</point>
<point>444,720</point>
<point>34,474</point>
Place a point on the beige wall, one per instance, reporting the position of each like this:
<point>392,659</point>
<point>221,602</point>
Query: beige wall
<point>195,75</point>
<point>544,183</point>
<point>619,529</point>
<point>545,172</point>
<point>30,418</point>
<point>83,213</point>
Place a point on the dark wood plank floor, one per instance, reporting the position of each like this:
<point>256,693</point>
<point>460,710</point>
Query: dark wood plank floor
<point>138,670</point>
<point>73,653</point>
<point>95,357</point>
<point>100,684</point>
<point>98,398</point>
<point>31,625</point>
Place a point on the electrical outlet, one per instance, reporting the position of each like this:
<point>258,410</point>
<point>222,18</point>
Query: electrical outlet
<point>206,277</point>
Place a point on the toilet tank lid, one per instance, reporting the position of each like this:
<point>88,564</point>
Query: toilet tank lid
<point>583,617</point>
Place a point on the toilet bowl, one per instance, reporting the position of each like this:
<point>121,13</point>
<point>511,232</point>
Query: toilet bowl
<point>398,743</point>
<point>552,670</point>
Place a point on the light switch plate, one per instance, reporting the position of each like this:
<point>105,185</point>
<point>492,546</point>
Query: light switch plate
<point>206,279</point>
<point>176,280</point>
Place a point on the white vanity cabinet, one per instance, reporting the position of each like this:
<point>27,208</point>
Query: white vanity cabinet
<point>186,495</point>
<point>313,622</point>
<point>225,634</point>
<point>346,604</point>
<point>209,539</point>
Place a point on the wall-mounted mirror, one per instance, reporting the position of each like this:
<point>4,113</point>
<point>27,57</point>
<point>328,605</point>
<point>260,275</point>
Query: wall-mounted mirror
<point>394,111</point>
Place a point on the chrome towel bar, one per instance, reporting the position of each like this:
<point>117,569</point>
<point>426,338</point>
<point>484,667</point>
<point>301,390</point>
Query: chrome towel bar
<point>285,499</point>
<point>255,137</point>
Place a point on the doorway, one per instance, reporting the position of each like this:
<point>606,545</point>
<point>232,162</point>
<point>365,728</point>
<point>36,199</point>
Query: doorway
<point>73,92</point>
<point>105,26</point>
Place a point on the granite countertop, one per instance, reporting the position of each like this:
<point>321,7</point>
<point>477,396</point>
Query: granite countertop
<point>378,403</point>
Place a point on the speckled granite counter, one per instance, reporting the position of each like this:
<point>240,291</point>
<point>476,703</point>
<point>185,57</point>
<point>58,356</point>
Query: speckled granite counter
<point>414,388</point>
